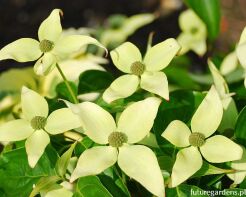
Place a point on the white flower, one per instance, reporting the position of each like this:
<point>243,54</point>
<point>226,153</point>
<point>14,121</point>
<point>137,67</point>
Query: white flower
<point>51,47</point>
<point>197,141</point>
<point>144,71</point>
<point>36,124</point>
<point>194,33</point>
<point>137,161</point>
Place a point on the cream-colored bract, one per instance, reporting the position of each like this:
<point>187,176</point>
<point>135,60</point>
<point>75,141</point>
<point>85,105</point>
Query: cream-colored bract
<point>240,167</point>
<point>230,113</point>
<point>34,105</point>
<point>194,33</point>
<point>215,149</point>
<point>135,122</point>
<point>151,78</point>
<point>59,47</point>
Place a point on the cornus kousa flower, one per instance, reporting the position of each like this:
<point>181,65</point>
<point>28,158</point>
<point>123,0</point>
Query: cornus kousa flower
<point>194,33</point>
<point>117,142</point>
<point>197,141</point>
<point>51,47</point>
<point>36,124</point>
<point>144,71</point>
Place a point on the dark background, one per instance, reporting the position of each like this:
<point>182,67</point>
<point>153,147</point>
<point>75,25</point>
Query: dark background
<point>21,18</point>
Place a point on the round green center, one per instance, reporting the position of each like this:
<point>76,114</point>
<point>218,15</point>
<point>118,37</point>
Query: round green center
<point>38,122</point>
<point>46,45</point>
<point>193,30</point>
<point>137,68</point>
<point>117,139</point>
<point>196,139</point>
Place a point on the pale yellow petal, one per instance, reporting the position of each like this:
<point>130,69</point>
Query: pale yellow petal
<point>177,133</point>
<point>124,55</point>
<point>155,82</point>
<point>33,104</point>
<point>35,146</point>
<point>121,87</point>
<point>94,161</point>
<point>159,56</point>
<point>218,149</point>
<point>62,120</point>
<point>22,50</point>
<point>140,163</point>
<point>98,124</point>
<point>15,130</point>
<point>50,29</point>
<point>209,114</point>
<point>137,119</point>
<point>188,162</point>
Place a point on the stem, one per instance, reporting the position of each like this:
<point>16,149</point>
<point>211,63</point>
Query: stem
<point>75,100</point>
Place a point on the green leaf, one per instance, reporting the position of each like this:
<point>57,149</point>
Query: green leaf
<point>63,93</point>
<point>90,186</point>
<point>113,181</point>
<point>63,161</point>
<point>17,177</point>
<point>81,146</point>
<point>185,191</point>
<point>45,183</point>
<point>209,12</point>
<point>241,126</point>
<point>94,81</point>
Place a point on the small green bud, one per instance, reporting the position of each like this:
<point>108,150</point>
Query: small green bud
<point>196,139</point>
<point>46,45</point>
<point>193,30</point>
<point>117,139</point>
<point>38,122</point>
<point>137,68</point>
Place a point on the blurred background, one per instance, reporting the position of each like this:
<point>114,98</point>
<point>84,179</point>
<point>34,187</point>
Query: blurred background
<point>21,18</point>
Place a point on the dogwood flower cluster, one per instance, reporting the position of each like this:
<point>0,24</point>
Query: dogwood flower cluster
<point>118,140</point>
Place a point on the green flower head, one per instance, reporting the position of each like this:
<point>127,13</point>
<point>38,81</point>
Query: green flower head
<point>197,141</point>
<point>51,47</point>
<point>36,125</point>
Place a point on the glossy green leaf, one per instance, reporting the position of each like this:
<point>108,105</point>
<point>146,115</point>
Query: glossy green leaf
<point>94,81</point>
<point>91,186</point>
<point>241,126</point>
<point>63,161</point>
<point>209,12</point>
<point>17,177</point>
<point>63,93</point>
<point>45,183</point>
